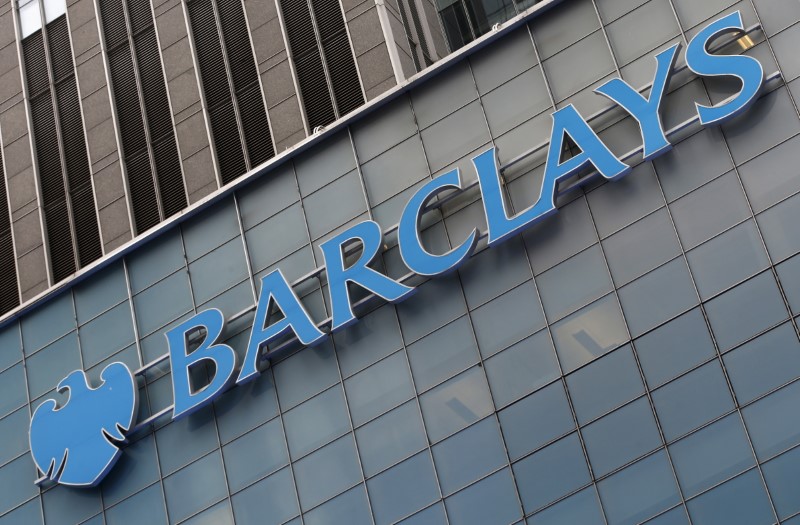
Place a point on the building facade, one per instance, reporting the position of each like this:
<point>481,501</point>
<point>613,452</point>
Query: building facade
<point>632,358</point>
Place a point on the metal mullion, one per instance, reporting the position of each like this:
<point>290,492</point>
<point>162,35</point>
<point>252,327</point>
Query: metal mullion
<point>322,57</point>
<point>140,92</point>
<point>231,86</point>
<point>62,155</point>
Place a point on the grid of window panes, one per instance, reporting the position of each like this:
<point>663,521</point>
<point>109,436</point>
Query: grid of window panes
<point>633,359</point>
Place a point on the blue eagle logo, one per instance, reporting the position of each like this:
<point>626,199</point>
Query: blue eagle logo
<point>77,444</point>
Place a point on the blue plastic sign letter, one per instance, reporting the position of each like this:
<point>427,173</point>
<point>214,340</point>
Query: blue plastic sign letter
<point>566,122</point>
<point>745,68</point>
<point>413,253</point>
<point>77,444</point>
<point>646,111</point>
<point>275,289</point>
<point>186,399</point>
<point>368,233</point>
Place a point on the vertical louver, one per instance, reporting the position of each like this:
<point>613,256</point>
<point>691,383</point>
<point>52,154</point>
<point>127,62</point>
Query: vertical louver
<point>323,58</point>
<point>415,33</point>
<point>9,292</point>
<point>152,164</point>
<point>232,91</point>
<point>65,179</point>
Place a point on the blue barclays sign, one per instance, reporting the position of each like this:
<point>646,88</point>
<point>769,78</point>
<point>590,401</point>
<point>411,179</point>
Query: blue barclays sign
<point>78,443</point>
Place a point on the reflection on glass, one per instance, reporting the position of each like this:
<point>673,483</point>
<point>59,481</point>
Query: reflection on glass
<point>589,333</point>
<point>30,19</point>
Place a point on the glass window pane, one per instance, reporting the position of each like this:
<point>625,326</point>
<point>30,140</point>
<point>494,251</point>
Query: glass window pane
<point>492,501</point>
<point>137,468</point>
<point>676,516</point>
<point>309,371</point>
<point>536,420</point>
<point>316,422</point>
<point>390,438</point>
<point>672,285</point>
<point>379,388</point>
<point>334,204</point>
<point>641,247</point>
<point>523,368</point>
<point>728,259</point>
<point>10,346</point>
<point>62,507</point>
<point>268,195</point>
<point>519,314</point>
<point>456,404</point>
<point>195,487</point>
<point>783,476</point>
<point>217,271</point>
<point>589,333</point>
<point>435,303</point>
<point>776,227</point>
<point>692,400</point>
<point>156,260</point>
<point>245,407</point>
<point>106,334</point>
<point>494,271</point>
<point>443,95</point>
<point>732,317</point>
<point>640,491</point>
<point>254,455</point>
<point>403,489</point>
<point>693,162</point>
<point>770,429</point>
<point>605,384</point>
<point>52,364</point>
<point>766,184</point>
<point>210,229</point>
<point>186,439</point>
<point>442,354</point>
<point>568,232</point>
<point>326,472</point>
<point>641,195</point>
<point>711,455</point>
<point>103,291</point>
<point>394,170</point>
<point>765,363</point>
<point>163,302</point>
<point>742,501</point>
<point>271,501</point>
<point>789,277</point>
<point>709,210</point>
<point>551,473</point>
<point>621,436</point>
<point>578,66</point>
<point>674,348</point>
<point>351,508</point>
<point>455,135</point>
<point>15,490</point>
<point>12,389</point>
<point>219,514</point>
<point>375,336</point>
<point>583,508</point>
<point>431,516</point>
<point>574,283</point>
<point>145,507</point>
<point>48,323</point>
<point>469,455</point>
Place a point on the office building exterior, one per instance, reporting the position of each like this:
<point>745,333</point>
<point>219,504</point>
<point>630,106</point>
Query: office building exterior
<point>631,358</point>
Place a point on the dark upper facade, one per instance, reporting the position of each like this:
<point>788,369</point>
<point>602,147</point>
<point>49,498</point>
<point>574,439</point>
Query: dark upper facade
<point>118,114</point>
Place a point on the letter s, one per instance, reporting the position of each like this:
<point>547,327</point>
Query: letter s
<point>745,68</point>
